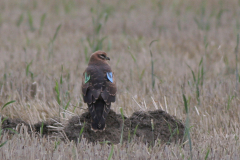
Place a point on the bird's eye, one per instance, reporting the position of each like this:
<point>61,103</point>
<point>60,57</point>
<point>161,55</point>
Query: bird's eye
<point>102,56</point>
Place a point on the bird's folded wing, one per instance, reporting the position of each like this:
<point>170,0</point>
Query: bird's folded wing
<point>85,85</point>
<point>109,93</point>
<point>92,83</point>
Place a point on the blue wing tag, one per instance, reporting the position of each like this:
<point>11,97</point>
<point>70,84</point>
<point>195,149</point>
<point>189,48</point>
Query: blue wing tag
<point>110,76</point>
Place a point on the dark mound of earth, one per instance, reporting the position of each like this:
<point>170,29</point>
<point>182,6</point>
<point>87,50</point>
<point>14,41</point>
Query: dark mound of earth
<point>146,126</point>
<point>13,125</point>
<point>149,126</point>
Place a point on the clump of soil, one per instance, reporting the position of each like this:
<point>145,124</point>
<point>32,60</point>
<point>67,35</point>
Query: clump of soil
<point>112,131</point>
<point>154,125</point>
<point>147,126</point>
<point>13,124</point>
<point>45,127</point>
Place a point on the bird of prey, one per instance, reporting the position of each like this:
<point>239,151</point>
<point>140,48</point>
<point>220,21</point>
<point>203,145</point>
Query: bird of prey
<point>98,89</point>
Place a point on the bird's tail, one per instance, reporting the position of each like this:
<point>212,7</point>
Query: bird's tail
<point>99,111</point>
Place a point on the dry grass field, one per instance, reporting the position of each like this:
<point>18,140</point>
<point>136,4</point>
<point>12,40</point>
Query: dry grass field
<point>49,42</point>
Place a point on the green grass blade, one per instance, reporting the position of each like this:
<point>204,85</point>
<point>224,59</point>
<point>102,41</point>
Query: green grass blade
<point>152,126</point>
<point>20,20</point>
<point>2,144</point>
<point>98,28</point>
<point>143,71</point>
<point>197,94</point>
<point>236,69</point>
<point>61,80</point>
<point>199,72</point>
<point>6,104</point>
<point>99,43</point>
<point>67,105</point>
<point>10,129</point>
<point>152,63</point>
<point>42,23</point>
<point>194,77</point>
<point>81,131</point>
<point>135,130</point>
<point>30,21</point>
<point>111,153</point>
<point>57,93</point>
<point>185,103</point>
<point>202,75</point>
<point>56,144</point>
<point>200,63</point>
<point>56,32</point>
<point>4,120</point>
<point>187,126</point>
<point>27,68</point>
<point>41,129</point>
<point>207,154</point>
<point>86,54</point>
<point>121,140</point>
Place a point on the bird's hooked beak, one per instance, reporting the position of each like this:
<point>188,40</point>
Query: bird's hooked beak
<point>107,58</point>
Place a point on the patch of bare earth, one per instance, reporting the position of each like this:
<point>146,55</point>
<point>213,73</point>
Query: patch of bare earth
<point>145,126</point>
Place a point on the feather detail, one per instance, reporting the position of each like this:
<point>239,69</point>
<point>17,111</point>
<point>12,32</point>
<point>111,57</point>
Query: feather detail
<point>87,77</point>
<point>98,89</point>
<point>110,76</point>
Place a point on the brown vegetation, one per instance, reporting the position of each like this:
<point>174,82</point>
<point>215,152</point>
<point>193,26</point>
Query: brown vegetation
<point>45,46</point>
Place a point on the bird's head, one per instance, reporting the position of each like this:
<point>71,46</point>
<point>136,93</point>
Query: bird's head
<point>98,57</point>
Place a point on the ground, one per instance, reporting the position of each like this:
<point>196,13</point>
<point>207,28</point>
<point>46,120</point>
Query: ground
<point>161,125</point>
<point>187,79</point>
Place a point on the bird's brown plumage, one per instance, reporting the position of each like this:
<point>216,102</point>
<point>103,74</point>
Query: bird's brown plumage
<point>98,89</point>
